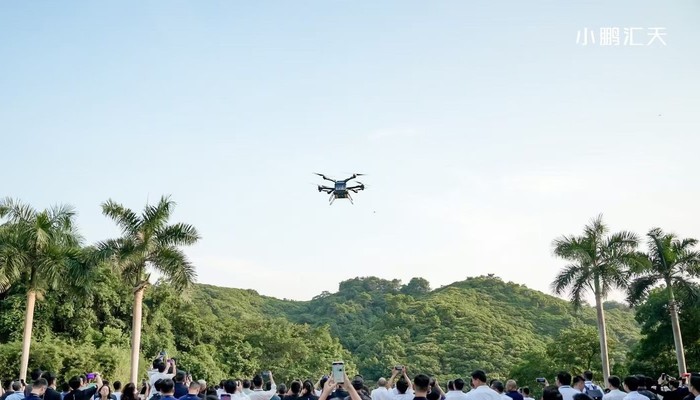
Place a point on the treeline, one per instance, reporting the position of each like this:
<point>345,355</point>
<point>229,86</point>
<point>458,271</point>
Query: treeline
<point>86,295</point>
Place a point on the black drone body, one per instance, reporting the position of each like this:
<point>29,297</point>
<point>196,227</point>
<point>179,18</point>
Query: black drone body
<point>341,189</point>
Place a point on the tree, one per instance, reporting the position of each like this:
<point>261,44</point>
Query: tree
<point>599,263</point>
<point>40,249</point>
<point>147,244</point>
<point>671,262</point>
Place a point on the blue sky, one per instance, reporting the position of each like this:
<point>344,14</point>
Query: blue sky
<point>486,130</point>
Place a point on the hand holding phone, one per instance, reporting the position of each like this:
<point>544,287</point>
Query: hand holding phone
<point>338,370</point>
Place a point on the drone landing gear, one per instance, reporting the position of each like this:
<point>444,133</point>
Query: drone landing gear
<point>350,198</point>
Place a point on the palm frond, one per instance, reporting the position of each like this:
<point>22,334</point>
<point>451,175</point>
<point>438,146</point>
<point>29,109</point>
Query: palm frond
<point>177,235</point>
<point>156,217</point>
<point>16,211</point>
<point>126,219</point>
<point>640,286</point>
<point>566,277</point>
<point>174,266</point>
<point>596,228</point>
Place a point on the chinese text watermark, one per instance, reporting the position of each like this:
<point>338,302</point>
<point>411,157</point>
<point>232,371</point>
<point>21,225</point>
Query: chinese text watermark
<point>631,36</point>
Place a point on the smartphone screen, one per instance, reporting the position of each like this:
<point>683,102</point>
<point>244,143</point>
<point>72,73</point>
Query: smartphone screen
<point>339,372</point>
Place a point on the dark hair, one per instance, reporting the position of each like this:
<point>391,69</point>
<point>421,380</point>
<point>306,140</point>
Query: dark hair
<point>246,384</point>
<point>50,378</point>
<point>36,374</point>
<point>65,387</point>
<point>167,386</point>
<point>632,383</point>
<point>459,384</point>
<point>422,381</point>
<point>160,366</point>
<point>257,381</point>
<point>695,381</point>
<point>117,385</point>
<point>551,393</point>
<point>74,382</point>
<point>479,375</point>
<point>401,386</point>
<point>564,378</point>
<point>109,394</point>
<point>230,386</point>
<point>158,384</point>
<point>322,382</point>
<point>309,387</point>
<point>180,376</point>
<point>525,390</point>
<point>211,391</point>
<point>614,381</point>
<point>588,375</point>
<point>129,392</point>
<point>39,383</point>
<point>497,386</point>
<point>582,396</point>
<point>578,378</point>
<point>281,389</point>
<point>433,395</point>
<point>451,385</point>
<point>296,387</point>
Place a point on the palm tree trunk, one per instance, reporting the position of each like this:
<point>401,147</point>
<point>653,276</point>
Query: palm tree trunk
<point>677,338</point>
<point>136,332</point>
<point>27,338</point>
<point>602,333</point>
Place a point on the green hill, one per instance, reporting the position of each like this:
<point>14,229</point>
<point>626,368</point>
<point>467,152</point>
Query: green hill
<point>372,323</point>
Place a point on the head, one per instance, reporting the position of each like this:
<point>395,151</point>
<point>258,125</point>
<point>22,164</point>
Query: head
<point>631,384</point>
<point>230,386</point>
<point>525,391</point>
<point>65,387</point>
<point>246,384</point>
<point>381,382</point>
<point>642,382</point>
<point>450,385</point>
<point>268,386</point>
<point>39,387</point>
<point>478,378</point>
<point>161,366</point>
<point>105,391</point>
<point>421,383</point>
<point>117,386</point>
<point>433,395</point>
<point>202,385</point>
<point>167,387</point>
<point>551,393</point>
<point>497,386</point>
<point>75,382</point>
<point>614,382</point>
<point>16,386</point>
<point>296,388</point>
<point>282,389</point>
<point>511,386</point>
<point>36,374</point>
<point>194,388</point>
<point>257,381</point>
<point>588,375</point>
<point>50,378</point>
<point>324,379</point>
<point>401,386</point>
<point>180,376</point>
<point>563,379</point>
<point>307,387</point>
<point>358,383</point>
<point>459,384</point>
<point>579,383</point>
<point>129,391</point>
<point>694,384</point>
<point>158,385</point>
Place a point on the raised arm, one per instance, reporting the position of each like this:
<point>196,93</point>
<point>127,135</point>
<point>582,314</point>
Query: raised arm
<point>327,389</point>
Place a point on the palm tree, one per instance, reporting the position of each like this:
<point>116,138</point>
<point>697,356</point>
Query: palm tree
<point>671,262</point>
<point>147,244</point>
<point>41,250</point>
<point>598,264</point>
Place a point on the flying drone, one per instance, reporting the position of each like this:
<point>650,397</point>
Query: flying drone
<point>340,189</point>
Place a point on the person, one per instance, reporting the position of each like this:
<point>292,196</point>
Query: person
<point>192,393</point>
<point>591,389</point>
<point>105,393</point>
<point>525,391</point>
<point>512,390</point>
<point>421,385</point>
<point>167,389</point>
<point>51,392</point>
<point>159,371</point>
<point>246,387</point>
<point>551,393</point>
<point>359,384</point>
<point>631,385</point>
<point>499,388</point>
<point>38,389</point>
<point>615,393</point>
<point>87,393</point>
<point>481,390</point>
<point>564,385</point>
<point>645,384</point>
<point>694,385</point>
<point>330,385</point>
<point>281,391</point>
<point>294,391</point>
<point>258,392</point>
<point>129,392</point>
<point>117,390</point>
<point>181,388</point>
<point>455,390</point>
<point>16,392</point>
<point>34,375</point>
<point>578,384</point>
<point>307,391</point>
<point>381,392</point>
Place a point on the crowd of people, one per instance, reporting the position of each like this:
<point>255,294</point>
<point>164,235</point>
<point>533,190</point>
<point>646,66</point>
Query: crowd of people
<point>166,382</point>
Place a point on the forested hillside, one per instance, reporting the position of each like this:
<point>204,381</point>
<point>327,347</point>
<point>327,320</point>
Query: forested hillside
<point>372,323</point>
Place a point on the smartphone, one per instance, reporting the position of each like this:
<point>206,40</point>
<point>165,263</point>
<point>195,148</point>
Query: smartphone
<point>541,380</point>
<point>90,376</point>
<point>399,367</point>
<point>266,374</point>
<point>338,371</point>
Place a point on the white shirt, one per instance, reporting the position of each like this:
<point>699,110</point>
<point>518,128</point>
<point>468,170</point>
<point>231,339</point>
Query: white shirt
<point>635,395</point>
<point>381,393</point>
<point>615,394</point>
<point>567,392</point>
<point>234,396</point>
<point>118,395</point>
<point>154,375</point>
<point>454,395</point>
<point>483,392</point>
<point>259,394</point>
<point>406,396</point>
<point>527,398</point>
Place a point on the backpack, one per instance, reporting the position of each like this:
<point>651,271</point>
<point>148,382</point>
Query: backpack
<point>594,392</point>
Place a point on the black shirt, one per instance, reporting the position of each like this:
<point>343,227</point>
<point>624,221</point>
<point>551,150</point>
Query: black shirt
<point>52,394</point>
<point>85,394</point>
